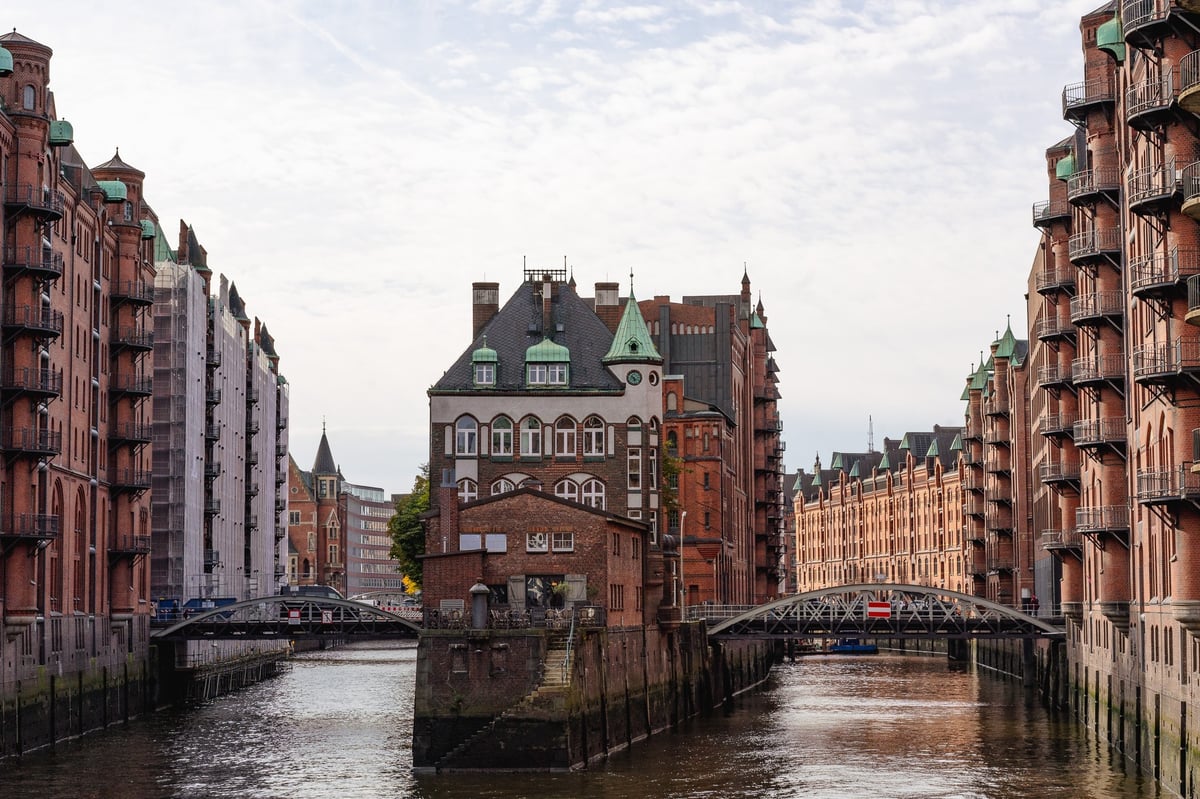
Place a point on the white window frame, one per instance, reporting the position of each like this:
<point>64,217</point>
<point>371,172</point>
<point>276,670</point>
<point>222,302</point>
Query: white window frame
<point>468,490</point>
<point>592,493</point>
<point>562,541</point>
<point>593,437</point>
<point>485,374</point>
<point>502,437</point>
<point>567,489</point>
<point>466,436</point>
<point>556,374</point>
<point>537,542</point>
<point>502,486</point>
<point>564,437</point>
<point>633,459</point>
<point>536,374</point>
<point>531,438</point>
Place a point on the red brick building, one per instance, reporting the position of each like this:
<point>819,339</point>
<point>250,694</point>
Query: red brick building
<point>549,399</point>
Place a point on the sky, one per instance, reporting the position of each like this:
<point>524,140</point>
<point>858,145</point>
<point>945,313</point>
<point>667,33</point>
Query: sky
<point>354,166</point>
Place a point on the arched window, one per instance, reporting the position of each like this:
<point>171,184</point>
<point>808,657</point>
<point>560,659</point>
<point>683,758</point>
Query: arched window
<point>502,437</point>
<point>29,98</point>
<point>593,494</point>
<point>593,437</point>
<point>468,490</point>
<point>567,489</point>
<point>502,486</point>
<point>564,437</point>
<point>672,401</point>
<point>673,444</point>
<point>466,434</point>
<point>531,438</point>
<point>307,569</point>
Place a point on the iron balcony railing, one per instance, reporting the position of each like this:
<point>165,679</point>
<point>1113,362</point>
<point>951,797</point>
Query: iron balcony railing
<point>1053,375</point>
<point>1093,243</point>
<point>47,202</point>
<point>1053,540</point>
<point>1189,71</point>
<point>1090,432</point>
<point>1051,328</point>
<point>136,291</point>
<point>129,544</point>
<point>132,384</point>
<point>1087,184</point>
<point>31,440</point>
<point>1076,97</point>
<point>1055,424</point>
<point>1138,17</point>
<point>139,479</point>
<point>1148,97</point>
<point>30,526</point>
<point>1059,472</point>
<point>1160,486</point>
<point>1154,273</point>
<point>1193,299</point>
<point>1165,360</point>
<point>32,380</point>
<point>132,431</point>
<point>1097,368</point>
<point>1107,518</point>
<point>133,338</point>
<point>37,319</point>
<point>1087,308</point>
<point>999,563</point>
<point>1048,211</point>
<point>42,261</point>
<point>1054,279</point>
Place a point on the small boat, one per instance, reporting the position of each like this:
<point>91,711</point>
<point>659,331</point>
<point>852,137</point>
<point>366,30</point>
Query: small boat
<point>852,646</point>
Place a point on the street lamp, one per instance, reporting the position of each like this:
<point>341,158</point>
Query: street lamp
<point>682,582</point>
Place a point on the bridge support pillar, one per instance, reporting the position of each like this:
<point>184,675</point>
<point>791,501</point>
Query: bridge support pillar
<point>1028,664</point>
<point>957,649</point>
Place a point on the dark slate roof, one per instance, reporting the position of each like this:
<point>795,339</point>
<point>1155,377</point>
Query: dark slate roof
<point>324,463</point>
<point>115,163</point>
<point>518,326</point>
<point>236,305</point>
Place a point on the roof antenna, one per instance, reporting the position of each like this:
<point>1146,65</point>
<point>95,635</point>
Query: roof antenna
<point>631,282</point>
<point>870,433</point>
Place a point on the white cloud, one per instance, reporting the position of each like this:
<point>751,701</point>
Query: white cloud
<point>353,168</point>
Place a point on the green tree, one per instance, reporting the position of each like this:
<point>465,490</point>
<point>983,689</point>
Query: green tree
<point>668,492</point>
<point>406,529</point>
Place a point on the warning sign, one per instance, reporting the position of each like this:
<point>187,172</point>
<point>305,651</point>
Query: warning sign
<point>327,617</point>
<point>294,616</point>
<point>879,610</point>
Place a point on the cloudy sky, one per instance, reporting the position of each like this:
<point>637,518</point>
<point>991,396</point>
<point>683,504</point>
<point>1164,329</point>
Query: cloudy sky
<point>354,166</point>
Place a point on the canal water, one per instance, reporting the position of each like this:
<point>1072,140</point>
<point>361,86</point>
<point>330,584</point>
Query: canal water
<point>338,725</point>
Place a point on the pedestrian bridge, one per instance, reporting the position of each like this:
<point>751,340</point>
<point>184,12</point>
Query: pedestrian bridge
<point>875,610</point>
<point>287,618</point>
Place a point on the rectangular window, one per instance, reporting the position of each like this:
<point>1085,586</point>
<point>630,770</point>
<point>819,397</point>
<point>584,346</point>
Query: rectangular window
<point>536,375</point>
<point>557,374</point>
<point>333,554</point>
<point>653,527</point>
<point>564,441</point>
<point>563,542</point>
<point>536,542</point>
<point>634,459</point>
<point>496,542</point>
<point>293,517</point>
<point>616,543</point>
<point>467,541</point>
<point>531,440</point>
<point>485,374</point>
<point>637,548</point>
<point>502,441</point>
<point>616,597</point>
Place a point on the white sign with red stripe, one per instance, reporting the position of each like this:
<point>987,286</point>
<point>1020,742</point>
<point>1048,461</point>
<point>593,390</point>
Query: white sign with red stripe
<point>879,610</point>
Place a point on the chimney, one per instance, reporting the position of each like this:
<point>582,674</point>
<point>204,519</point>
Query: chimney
<point>485,302</point>
<point>547,316</point>
<point>608,304</point>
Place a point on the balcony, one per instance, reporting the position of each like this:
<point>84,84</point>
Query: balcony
<point>998,462</point>
<point>212,397</point>
<point>975,506</point>
<point>133,385</point>
<point>973,431</point>
<point>1098,369</point>
<point>1052,329</point>
<point>132,338</point>
<point>36,320</point>
<point>251,521</point>
<point>1062,540</point>
<point>280,450</point>
<point>1097,307</point>
<point>997,406</point>
<point>1189,72</point>
<point>43,203</point>
<point>1193,300</point>
<point>130,479</point>
<point>1149,104</point>
<point>1166,486</point>
<point>212,431</point>
<point>1052,281</point>
<point>126,545</point>
<point>135,292</point>
<point>1053,377</point>
<point>999,520</point>
<point>1091,433</point>
<point>1056,425</point>
<point>1060,473</point>
<point>999,563</point>
<point>31,441</point>
<point>212,507</point>
<point>1189,189</point>
<point>251,396</point>
<point>252,489</point>
<point>29,527</point>
<point>251,427</point>
<point>252,458</point>
<point>212,358</point>
<point>1080,98</point>
<point>1047,212</point>
<point>131,433</point>
<point>1162,274</point>
<point>41,262</point>
<point>1088,186</point>
<point>1109,519</point>
<point>1091,246</point>
<point>32,381</point>
<point>281,423</point>
<point>1166,362</point>
<point>1144,21</point>
<point>212,470</point>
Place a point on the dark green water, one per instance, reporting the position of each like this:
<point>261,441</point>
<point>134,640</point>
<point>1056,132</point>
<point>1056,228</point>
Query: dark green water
<point>338,725</point>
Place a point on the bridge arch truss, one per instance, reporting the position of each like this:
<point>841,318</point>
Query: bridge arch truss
<point>876,610</point>
<point>288,617</point>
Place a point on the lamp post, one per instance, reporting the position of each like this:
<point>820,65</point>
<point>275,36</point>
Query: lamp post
<point>682,582</point>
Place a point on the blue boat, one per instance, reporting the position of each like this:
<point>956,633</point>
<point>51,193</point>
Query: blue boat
<point>852,646</point>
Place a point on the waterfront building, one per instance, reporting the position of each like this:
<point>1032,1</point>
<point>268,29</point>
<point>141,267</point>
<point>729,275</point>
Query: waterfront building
<point>893,515</point>
<point>547,399</point>
<point>721,421</point>
<point>220,433</point>
<point>338,531</point>
<point>78,271</point>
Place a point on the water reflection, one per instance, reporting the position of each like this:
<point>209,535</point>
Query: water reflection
<point>339,724</point>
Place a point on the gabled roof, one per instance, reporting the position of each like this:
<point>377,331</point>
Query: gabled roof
<point>518,325</point>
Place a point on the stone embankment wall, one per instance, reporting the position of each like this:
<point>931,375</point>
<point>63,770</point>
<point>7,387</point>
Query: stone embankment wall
<point>490,699</point>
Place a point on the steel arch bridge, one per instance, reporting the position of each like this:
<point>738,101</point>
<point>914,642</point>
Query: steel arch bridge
<point>875,610</point>
<point>288,617</point>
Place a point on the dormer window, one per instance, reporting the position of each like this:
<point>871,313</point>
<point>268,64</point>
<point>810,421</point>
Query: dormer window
<point>485,374</point>
<point>547,364</point>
